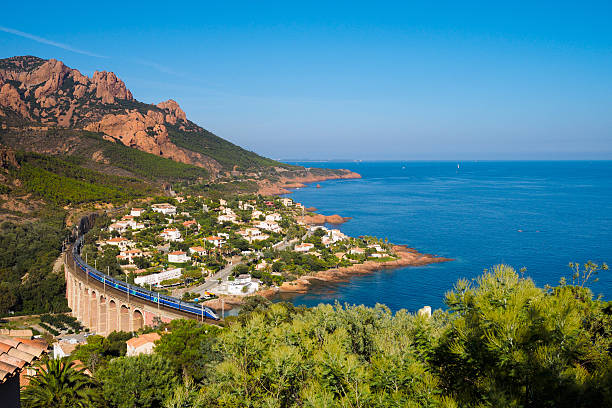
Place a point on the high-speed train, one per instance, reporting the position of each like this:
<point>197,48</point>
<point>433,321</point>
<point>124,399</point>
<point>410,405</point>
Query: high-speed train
<point>138,292</point>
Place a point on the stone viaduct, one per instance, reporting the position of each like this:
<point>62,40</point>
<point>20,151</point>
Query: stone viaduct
<point>104,309</point>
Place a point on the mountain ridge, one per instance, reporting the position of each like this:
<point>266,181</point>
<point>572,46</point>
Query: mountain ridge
<point>34,91</point>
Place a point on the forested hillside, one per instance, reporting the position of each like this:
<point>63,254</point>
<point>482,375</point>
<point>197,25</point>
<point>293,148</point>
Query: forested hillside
<point>35,190</point>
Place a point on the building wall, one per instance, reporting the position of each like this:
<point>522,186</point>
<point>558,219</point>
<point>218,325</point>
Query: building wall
<point>9,392</point>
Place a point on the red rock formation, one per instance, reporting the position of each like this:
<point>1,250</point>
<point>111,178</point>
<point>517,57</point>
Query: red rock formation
<point>108,87</point>
<point>64,97</point>
<point>10,98</point>
<point>319,219</point>
<point>174,111</point>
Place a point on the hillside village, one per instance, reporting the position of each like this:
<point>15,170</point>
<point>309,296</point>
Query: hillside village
<point>198,248</point>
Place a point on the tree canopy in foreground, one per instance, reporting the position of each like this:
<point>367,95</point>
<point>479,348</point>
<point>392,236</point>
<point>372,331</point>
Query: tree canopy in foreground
<point>502,342</point>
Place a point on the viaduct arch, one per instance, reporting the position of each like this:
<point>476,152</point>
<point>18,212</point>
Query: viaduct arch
<point>103,309</point>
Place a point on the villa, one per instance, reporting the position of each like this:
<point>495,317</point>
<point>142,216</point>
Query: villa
<point>274,217</point>
<point>171,234</point>
<point>226,218</point>
<point>136,212</point>
<point>164,208</point>
<point>305,247</point>
<point>216,241</point>
<point>130,254</point>
<point>198,250</point>
<point>120,242</point>
<point>120,227</point>
<point>178,257</point>
<point>269,226</point>
<point>191,224</point>
<point>243,285</point>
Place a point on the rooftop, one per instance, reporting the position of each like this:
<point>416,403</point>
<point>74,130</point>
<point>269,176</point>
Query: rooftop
<point>143,339</point>
<point>16,353</point>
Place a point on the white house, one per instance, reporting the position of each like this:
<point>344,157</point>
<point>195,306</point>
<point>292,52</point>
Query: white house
<point>305,247</point>
<point>120,226</point>
<point>256,214</point>
<point>216,241</point>
<point>274,217</point>
<point>356,251</point>
<point>269,226</point>
<point>376,247</point>
<point>120,242</point>
<point>425,311</point>
<point>164,208</point>
<point>226,218</point>
<point>245,206</point>
<point>130,254</point>
<point>253,234</point>
<point>287,202</point>
<point>178,257</point>
<point>143,344</point>
<point>198,250</point>
<point>157,278</point>
<point>171,234</point>
<point>136,212</point>
<point>332,237</point>
<point>243,285</point>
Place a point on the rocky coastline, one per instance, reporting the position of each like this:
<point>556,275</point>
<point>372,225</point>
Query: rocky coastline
<point>406,257</point>
<point>285,184</point>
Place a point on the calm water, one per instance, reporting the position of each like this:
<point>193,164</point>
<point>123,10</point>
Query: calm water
<point>538,215</point>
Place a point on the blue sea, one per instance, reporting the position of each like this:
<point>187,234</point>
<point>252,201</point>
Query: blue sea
<point>537,215</point>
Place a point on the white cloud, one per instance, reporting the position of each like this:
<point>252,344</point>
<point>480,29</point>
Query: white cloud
<point>49,42</point>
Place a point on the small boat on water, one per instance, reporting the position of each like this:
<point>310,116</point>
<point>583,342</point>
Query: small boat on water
<point>318,186</point>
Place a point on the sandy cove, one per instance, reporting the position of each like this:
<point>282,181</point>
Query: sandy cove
<point>407,257</point>
<point>284,185</point>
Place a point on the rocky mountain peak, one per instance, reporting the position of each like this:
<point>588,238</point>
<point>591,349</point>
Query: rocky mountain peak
<point>174,112</point>
<point>109,87</point>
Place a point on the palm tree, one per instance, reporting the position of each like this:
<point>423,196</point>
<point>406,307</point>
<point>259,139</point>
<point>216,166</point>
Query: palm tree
<point>58,384</point>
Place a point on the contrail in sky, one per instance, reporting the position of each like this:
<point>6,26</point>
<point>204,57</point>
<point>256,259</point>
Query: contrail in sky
<point>49,42</point>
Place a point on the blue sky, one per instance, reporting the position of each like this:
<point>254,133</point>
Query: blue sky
<point>351,80</point>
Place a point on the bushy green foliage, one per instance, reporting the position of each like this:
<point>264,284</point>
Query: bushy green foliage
<point>142,381</point>
<point>503,342</point>
<point>27,253</point>
<point>513,344</point>
<point>189,347</point>
<point>98,350</point>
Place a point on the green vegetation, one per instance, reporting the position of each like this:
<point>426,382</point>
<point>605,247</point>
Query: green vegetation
<point>99,351</point>
<point>224,152</point>
<point>146,165</point>
<point>142,381</point>
<point>503,342</point>
<point>27,253</point>
<point>64,182</point>
<point>22,63</point>
<point>59,384</point>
